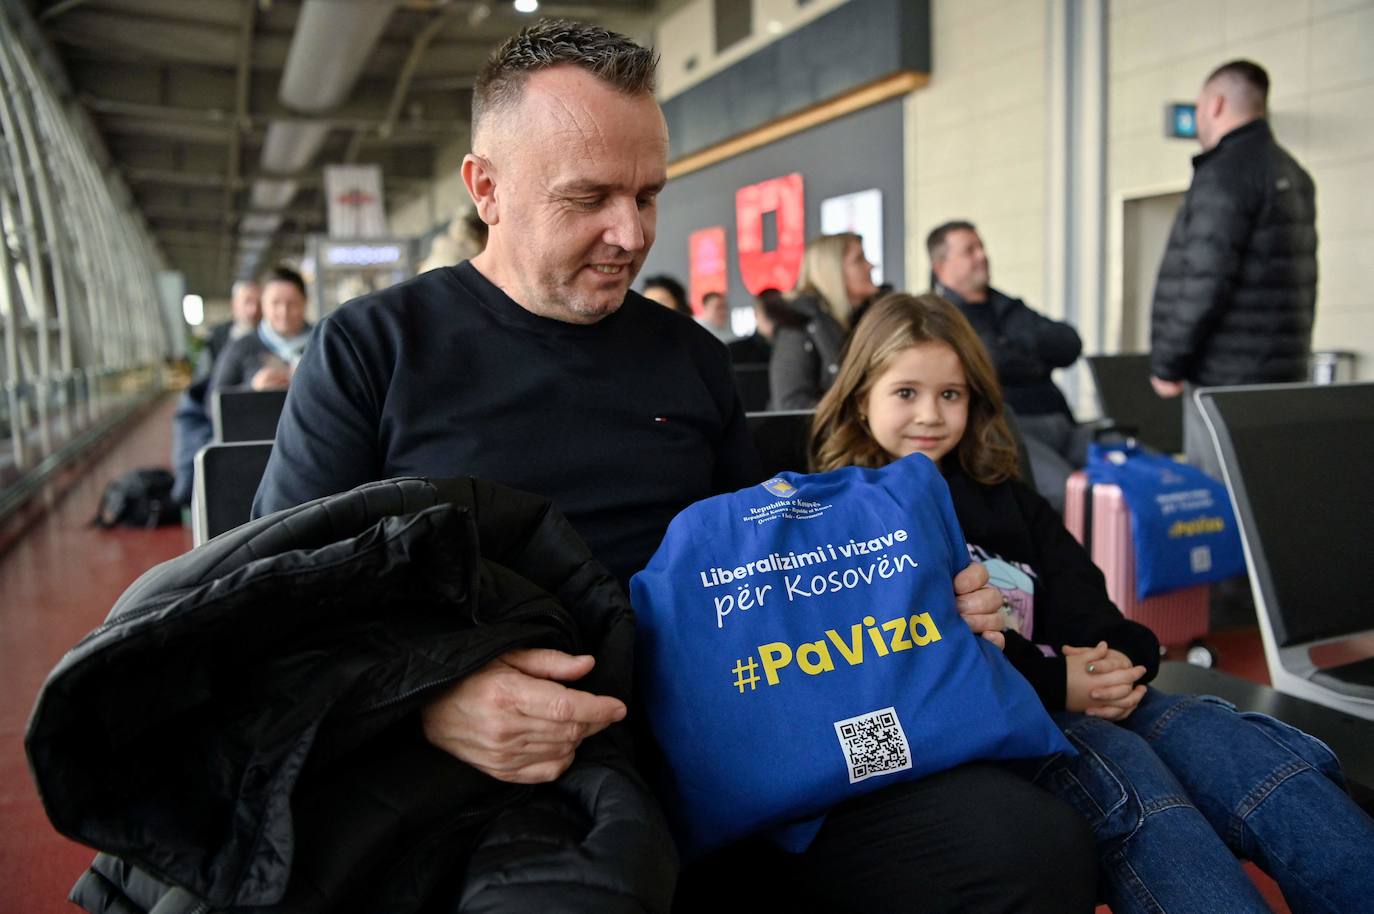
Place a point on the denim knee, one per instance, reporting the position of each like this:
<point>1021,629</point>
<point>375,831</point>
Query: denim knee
<point>1231,761</point>
<point>1205,721</point>
<point>1116,782</point>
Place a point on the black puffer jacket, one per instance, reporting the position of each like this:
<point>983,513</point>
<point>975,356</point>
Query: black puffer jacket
<point>1025,347</point>
<point>242,730</point>
<point>1237,288</point>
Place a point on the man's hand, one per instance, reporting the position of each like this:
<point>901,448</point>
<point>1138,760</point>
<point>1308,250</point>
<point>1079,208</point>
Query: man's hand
<point>1101,682</point>
<point>1166,390</point>
<point>271,377</point>
<point>980,604</point>
<point>512,721</point>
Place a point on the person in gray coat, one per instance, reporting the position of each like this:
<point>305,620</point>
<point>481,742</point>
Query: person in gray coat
<point>835,279</point>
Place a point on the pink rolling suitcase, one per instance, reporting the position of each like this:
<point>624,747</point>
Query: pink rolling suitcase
<point>1099,518</point>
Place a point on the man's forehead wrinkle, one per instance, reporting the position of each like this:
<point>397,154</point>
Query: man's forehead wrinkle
<point>567,120</point>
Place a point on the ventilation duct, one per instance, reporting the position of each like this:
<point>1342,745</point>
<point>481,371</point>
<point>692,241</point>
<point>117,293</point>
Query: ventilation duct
<point>260,224</point>
<point>291,145</point>
<point>331,45</point>
<point>270,194</point>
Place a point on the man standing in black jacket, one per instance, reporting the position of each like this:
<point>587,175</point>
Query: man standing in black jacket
<point>1025,347</point>
<point>1237,289</point>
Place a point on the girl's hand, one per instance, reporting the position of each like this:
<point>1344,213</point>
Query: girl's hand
<point>1101,681</point>
<point>1118,710</point>
<point>1115,660</point>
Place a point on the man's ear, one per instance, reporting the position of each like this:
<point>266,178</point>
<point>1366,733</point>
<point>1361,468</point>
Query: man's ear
<point>480,179</point>
<point>1216,104</point>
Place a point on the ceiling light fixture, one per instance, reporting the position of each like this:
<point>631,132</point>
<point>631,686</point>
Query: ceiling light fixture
<point>526,6</point>
<point>193,309</point>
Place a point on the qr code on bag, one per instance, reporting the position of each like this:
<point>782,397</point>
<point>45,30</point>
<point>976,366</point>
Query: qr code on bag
<point>873,744</point>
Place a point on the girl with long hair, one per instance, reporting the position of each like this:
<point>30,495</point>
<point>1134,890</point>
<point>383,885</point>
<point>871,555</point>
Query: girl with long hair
<point>1174,787</point>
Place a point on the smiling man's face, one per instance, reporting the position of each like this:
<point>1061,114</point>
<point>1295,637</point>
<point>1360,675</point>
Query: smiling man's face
<point>576,169</point>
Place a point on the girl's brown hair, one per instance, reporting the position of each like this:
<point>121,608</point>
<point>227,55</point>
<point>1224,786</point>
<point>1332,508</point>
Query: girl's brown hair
<point>839,434</point>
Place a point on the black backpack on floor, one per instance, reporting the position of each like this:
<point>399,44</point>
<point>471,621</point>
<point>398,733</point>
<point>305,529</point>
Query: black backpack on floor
<point>139,498</point>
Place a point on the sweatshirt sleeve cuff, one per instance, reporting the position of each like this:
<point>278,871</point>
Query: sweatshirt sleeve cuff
<point>1047,675</point>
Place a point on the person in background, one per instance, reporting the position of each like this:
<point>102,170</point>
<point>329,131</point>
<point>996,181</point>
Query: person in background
<point>1176,787</point>
<point>245,308</point>
<point>465,237</point>
<point>715,316</point>
<point>1237,289</point>
<point>192,426</point>
<point>266,359</point>
<point>1025,347</point>
<point>770,312</point>
<point>668,292</point>
<point>835,279</point>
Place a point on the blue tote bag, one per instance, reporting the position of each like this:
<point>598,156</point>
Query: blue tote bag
<point>798,645</point>
<point>1182,526</point>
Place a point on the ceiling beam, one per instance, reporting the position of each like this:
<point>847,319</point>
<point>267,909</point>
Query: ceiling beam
<point>210,243</point>
<point>367,121</point>
<point>58,8</point>
<point>155,37</point>
<point>299,215</point>
<point>211,180</point>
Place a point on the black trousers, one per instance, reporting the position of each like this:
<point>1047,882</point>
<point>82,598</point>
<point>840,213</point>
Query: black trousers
<point>978,838</point>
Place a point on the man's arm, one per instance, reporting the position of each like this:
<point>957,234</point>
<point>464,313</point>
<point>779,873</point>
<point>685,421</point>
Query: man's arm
<point>513,721</point>
<point>1198,275</point>
<point>1058,344</point>
<point>1029,345</point>
<point>328,439</point>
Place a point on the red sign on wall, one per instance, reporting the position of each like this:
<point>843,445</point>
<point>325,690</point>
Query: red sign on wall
<point>780,267</point>
<point>706,259</point>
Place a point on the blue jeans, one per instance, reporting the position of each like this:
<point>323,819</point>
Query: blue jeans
<point>1186,784</point>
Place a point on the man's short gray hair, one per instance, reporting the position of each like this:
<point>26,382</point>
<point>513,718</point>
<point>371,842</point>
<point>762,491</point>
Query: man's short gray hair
<point>609,56</point>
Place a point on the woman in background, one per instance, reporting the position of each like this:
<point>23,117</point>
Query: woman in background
<point>835,279</point>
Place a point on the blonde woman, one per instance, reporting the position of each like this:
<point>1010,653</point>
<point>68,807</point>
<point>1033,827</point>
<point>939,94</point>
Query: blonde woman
<point>835,279</point>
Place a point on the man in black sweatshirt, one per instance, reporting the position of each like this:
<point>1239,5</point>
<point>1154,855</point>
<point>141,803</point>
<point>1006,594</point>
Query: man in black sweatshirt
<point>532,365</point>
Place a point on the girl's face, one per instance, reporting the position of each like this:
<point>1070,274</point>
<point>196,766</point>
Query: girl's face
<point>920,403</point>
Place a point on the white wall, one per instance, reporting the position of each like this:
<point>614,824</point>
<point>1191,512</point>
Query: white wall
<point>976,140</point>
